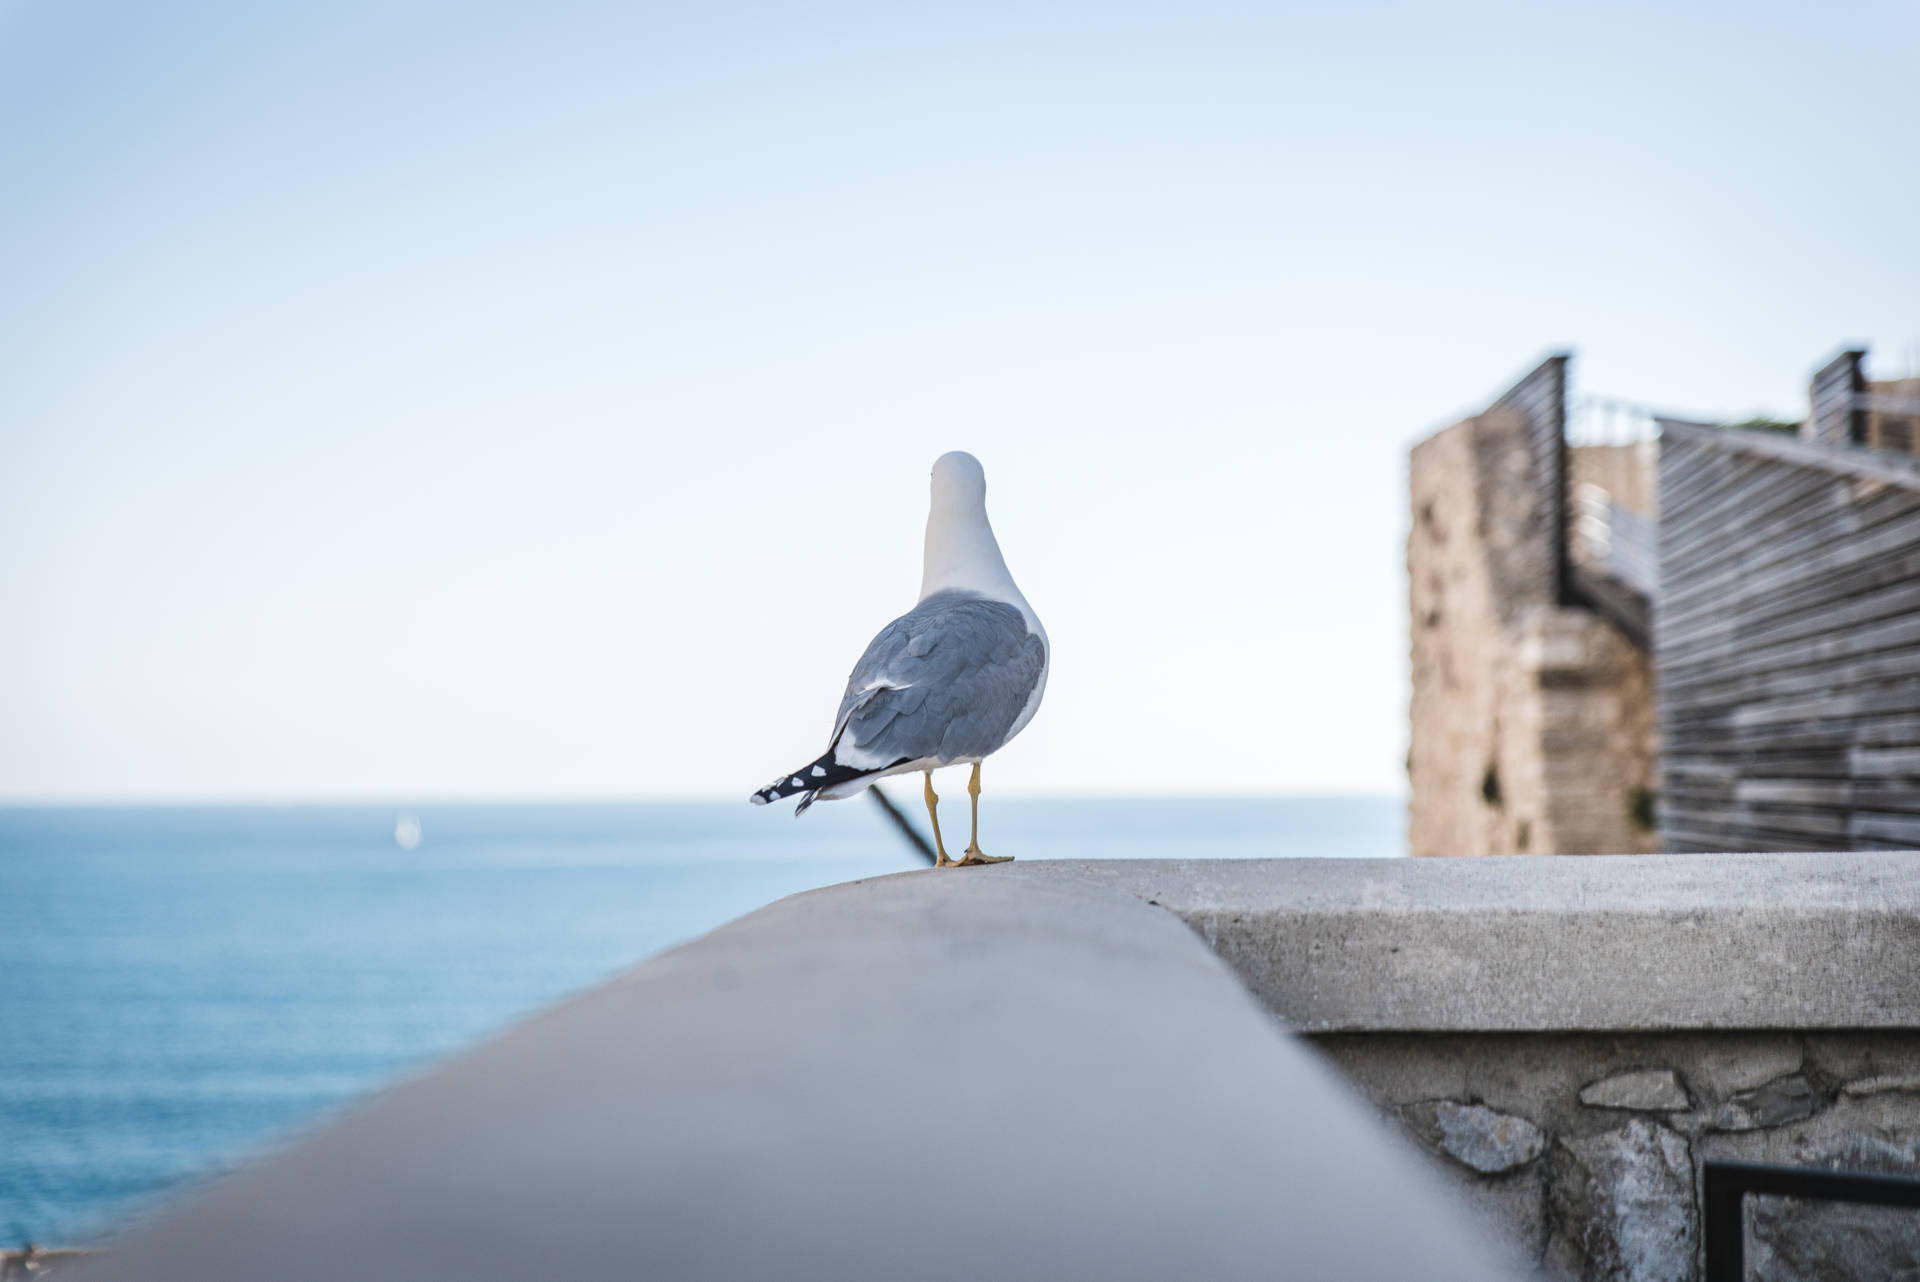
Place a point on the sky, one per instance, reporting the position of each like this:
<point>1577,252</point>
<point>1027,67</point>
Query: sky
<point>484,400</point>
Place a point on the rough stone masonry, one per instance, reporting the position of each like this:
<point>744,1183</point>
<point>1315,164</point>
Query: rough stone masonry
<point>1587,1149</point>
<point>1571,1039</point>
<point>1532,724</point>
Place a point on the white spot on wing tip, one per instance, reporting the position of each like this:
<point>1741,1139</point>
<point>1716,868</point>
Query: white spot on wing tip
<point>758,798</point>
<point>797,782</point>
<point>818,771</point>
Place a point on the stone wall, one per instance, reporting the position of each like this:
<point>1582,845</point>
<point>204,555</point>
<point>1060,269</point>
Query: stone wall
<point>1572,1039</point>
<point>1586,1149</point>
<point>1532,724</point>
<point>1895,428</point>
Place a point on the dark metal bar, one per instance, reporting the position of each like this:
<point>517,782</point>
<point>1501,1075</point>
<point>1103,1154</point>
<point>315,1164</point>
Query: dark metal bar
<point>1725,1186</point>
<point>900,821</point>
<point>1724,1231</point>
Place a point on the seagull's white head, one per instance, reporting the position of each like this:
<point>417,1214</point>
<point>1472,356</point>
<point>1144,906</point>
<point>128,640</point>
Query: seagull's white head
<point>959,483</point>
<point>961,552</point>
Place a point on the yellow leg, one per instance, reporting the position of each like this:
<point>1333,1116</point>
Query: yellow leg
<point>973,855</point>
<point>933,813</point>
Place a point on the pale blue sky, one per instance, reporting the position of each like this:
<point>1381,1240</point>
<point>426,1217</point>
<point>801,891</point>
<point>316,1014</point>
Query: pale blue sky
<point>537,400</point>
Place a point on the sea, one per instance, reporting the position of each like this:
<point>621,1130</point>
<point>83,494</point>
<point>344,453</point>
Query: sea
<point>183,987</point>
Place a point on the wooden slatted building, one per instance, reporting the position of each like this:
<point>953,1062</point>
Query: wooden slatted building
<point>1787,642</point>
<point>1770,593</point>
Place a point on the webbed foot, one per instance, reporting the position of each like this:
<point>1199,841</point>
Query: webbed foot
<point>973,856</point>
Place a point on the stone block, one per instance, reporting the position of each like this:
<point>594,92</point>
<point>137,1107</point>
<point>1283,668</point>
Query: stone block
<point>1802,1240</point>
<point>1786,1099</point>
<point>1904,1083</point>
<point>1476,1136</point>
<point>1531,724</point>
<point>1795,1240</point>
<point>1654,1090</point>
<point>1624,1201</point>
<point>1756,1063</point>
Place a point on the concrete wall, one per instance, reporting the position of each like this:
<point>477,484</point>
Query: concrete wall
<point>943,1076</point>
<point>1532,723</point>
<point>1064,1069</point>
<point>1572,1039</point>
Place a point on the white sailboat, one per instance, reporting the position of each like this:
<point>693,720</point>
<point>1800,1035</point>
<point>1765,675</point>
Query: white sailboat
<point>406,832</point>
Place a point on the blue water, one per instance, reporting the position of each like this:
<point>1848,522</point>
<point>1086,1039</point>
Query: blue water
<point>180,987</point>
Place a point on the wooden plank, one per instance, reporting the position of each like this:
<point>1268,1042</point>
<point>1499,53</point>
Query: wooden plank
<point>1705,505</point>
<point>1837,793</point>
<point>1900,831</point>
<point>1825,581</point>
<point>1822,547</point>
<point>1787,646</point>
<point>1890,588</point>
<point>1793,499</point>
<point>1882,645</point>
<point>1831,546</point>
<point>1803,672</point>
<point>1867,464</point>
<point>1893,732</point>
<point>1885,761</point>
<point>1818,829</point>
<point>1899,696</point>
<point>1724,742</point>
<point>1893,796</point>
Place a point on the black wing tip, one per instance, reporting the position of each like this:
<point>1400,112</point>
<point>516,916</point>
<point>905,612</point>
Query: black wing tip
<point>813,779</point>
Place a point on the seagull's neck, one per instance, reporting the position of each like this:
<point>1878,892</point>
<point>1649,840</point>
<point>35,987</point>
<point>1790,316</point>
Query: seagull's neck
<point>963,556</point>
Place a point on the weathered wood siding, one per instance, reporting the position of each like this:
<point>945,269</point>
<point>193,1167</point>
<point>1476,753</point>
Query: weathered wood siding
<point>1787,644</point>
<point>1836,418</point>
<point>1541,401</point>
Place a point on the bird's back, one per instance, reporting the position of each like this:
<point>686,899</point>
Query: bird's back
<point>949,680</point>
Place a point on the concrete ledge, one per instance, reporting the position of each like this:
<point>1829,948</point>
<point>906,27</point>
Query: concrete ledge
<point>937,1075</point>
<point>1041,1070</point>
<point>1627,943</point>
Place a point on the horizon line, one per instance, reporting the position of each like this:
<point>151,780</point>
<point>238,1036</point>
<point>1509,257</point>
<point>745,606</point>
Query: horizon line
<point>404,800</point>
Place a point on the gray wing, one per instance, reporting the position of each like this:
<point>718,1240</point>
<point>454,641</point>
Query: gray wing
<point>946,680</point>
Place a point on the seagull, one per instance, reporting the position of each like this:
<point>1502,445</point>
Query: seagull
<point>951,681</point>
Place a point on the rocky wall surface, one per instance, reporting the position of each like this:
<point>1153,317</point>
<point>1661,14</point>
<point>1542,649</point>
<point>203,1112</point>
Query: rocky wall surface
<point>1570,1039</point>
<point>1586,1150</point>
<point>1532,724</point>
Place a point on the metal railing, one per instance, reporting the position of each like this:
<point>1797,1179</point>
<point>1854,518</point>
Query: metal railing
<point>1725,1186</point>
<point>1615,541</point>
<point>1608,420</point>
